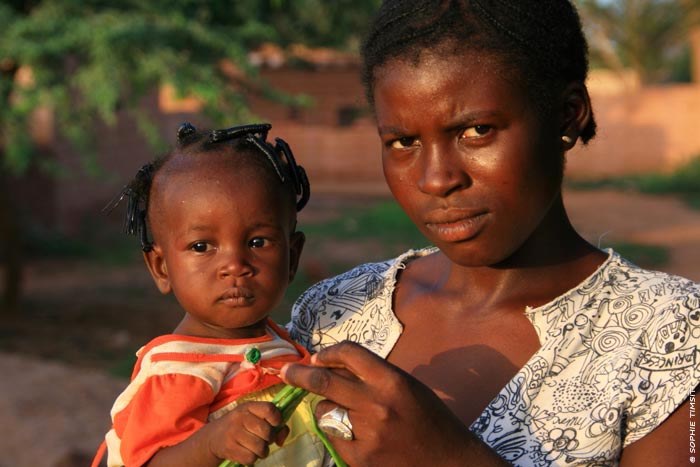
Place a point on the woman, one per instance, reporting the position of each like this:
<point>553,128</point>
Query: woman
<point>513,340</point>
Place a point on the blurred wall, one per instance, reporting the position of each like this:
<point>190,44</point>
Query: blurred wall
<point>640,130</point>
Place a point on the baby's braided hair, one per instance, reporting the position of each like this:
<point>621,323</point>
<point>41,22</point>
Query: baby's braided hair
<point>542,39</point>
<point>192,141</point>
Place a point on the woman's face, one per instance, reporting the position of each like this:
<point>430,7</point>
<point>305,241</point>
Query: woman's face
<point>466,154</point>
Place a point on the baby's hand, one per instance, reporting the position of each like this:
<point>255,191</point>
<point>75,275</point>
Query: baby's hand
<point>244,434</point>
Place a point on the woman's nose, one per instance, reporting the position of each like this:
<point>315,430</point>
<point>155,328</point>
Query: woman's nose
<point>443,172</point>
<point>235,264</point>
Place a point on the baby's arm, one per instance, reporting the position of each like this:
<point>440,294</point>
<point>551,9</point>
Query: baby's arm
<point>166,415</point>
<point>243,435</point>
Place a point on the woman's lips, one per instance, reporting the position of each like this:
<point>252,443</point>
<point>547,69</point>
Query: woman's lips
<point>456,227</point>
<point>237,296</point>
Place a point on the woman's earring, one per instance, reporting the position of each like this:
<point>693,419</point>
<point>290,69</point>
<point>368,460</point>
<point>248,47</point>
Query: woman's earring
<point>567,139</point>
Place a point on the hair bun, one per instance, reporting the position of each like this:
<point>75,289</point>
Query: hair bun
<point>185,131</point>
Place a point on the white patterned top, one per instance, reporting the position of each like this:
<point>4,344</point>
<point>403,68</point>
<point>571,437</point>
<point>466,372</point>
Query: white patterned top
<point>619,353</point>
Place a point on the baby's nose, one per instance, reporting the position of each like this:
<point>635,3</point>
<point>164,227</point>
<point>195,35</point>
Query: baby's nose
<point>235,263</point>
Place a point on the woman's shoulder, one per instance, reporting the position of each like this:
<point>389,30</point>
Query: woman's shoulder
<point>367,278</point>
<point>355,305</point>
<point>658,311</point>
<point>661,312</point>
<point>620,279</point>
<point>647,309</point>
<point>626,279</point>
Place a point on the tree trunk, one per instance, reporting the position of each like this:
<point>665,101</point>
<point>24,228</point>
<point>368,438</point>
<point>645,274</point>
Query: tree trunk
<point>692,8</point>
<point>10,238</point>
<point>10,248</point>
<point>694,36</point>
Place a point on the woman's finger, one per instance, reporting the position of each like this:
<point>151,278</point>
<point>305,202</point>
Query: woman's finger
<point>337,370</point>
<point>347,374</point>
<point>360,361</point>
<point>326,382</point>
<point>324,406</point>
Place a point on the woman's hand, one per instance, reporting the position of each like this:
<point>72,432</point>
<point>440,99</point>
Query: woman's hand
<point>396,419</point>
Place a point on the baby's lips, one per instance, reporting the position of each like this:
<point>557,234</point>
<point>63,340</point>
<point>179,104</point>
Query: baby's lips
<point>237,292</point>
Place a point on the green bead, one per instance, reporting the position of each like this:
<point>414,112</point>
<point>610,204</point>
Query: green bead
<point>253,355</point>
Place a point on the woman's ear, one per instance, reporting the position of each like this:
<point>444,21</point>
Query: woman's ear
<point>155,262</point>
<point>296,246</point>
<point>576,113</point>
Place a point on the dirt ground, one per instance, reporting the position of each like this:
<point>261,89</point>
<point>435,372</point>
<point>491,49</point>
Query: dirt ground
<point>57,362</point>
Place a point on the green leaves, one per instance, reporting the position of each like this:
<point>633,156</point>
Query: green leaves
<point>90,59</point>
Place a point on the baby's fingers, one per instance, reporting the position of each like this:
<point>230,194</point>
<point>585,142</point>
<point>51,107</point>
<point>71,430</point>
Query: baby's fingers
<point>281,435</point>
<point>251,429</point>
<point>254,448</point>
<point>265,417</point>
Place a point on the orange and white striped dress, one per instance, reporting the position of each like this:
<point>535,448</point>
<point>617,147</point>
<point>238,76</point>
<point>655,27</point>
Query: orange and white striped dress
<point>179,383</point>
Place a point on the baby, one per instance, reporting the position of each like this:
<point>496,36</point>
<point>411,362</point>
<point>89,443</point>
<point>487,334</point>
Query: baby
<point>216,218</point>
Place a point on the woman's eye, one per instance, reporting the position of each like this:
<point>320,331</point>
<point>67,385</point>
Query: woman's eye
<point>199,247</point>
<point>476,131</point>
<point>257,242</point>
<point>405,142</point>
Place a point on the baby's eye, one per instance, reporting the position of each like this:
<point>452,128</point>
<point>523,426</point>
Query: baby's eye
<point>403,143</point>
<point>199,247</point>
<point>476,131</point>
<point>257,242</point>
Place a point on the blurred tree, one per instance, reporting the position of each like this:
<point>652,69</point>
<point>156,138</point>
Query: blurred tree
<point>338,23</point>
<point>86,59</point>
<point>646,36</point>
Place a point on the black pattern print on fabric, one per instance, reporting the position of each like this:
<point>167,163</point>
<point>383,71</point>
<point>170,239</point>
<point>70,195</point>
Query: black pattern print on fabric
<point>619,353</point>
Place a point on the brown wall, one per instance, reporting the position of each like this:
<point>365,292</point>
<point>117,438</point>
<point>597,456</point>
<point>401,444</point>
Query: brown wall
<point>640,130</point>
<point>331,90</point>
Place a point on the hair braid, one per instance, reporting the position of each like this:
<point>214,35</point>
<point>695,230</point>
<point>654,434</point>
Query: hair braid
<point>190,141</point>
<point>543,39</point>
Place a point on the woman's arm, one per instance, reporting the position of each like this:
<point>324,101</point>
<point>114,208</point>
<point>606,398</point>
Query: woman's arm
<point>396,419</point>
<point>668,445</point>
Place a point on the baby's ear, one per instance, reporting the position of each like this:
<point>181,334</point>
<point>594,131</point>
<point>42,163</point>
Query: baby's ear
<point>155,262</point>
<point>296,245</point>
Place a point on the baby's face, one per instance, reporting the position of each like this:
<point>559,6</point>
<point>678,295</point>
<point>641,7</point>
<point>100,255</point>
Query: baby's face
<point>224,245</point>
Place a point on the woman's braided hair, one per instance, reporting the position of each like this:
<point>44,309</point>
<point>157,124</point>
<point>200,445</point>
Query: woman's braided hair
<point>542,39</point>
<point>191,141</point>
